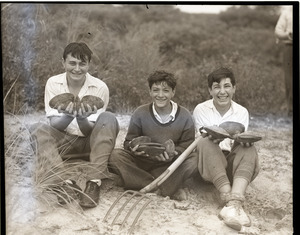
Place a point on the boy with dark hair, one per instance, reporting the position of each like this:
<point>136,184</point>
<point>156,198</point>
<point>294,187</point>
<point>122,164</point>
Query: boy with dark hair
<point>161,120</point>
<point>72,131</point>
<point>229,165</point>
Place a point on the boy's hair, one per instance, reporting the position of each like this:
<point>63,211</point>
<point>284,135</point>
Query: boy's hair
<point>220,73</point>
<point>78,50</point>
<point>162,76</point>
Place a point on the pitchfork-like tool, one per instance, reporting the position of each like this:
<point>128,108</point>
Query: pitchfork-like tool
<point>141,195</point>
<point>130,208</point>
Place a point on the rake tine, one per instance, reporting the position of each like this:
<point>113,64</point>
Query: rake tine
<point>124,205</point>
<point>134,194</point>
<point>113,205</point>
<point>134,205</point>
<point>138,215</point>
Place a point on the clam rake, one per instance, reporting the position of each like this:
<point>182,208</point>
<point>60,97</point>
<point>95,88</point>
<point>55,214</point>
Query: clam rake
<point>141,201</point>
<point>140,198</point>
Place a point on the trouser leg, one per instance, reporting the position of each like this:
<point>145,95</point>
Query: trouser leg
<point>49,144</point>
<point>187,169</point>
<point>243,163</point>
<point>102,143</point>
<point>136,174</point>
<point>212,163</point>
<point>45,141</point>
<point>124,164</point>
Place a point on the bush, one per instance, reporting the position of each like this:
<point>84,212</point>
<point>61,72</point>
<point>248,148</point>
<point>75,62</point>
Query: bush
<point>130,42</point>
<point>264,16</point>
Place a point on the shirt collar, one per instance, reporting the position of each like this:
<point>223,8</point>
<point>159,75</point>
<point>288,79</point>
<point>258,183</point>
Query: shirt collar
<point>171,116</point>
<point>87,83</point>
<point>232,109</point>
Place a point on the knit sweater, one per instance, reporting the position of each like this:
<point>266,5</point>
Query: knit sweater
<point>143,123</point>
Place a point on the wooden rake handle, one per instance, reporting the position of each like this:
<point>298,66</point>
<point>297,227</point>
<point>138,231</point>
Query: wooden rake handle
<point>165,175</point>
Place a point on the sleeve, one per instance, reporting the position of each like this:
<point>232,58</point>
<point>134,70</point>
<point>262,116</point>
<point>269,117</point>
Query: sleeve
<point>134,129</point>
<point>50,92</point>
<point>245,119</point>
<point>187,136</point>
<point>200,118</point>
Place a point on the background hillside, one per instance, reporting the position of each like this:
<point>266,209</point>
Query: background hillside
<point>131,41</point>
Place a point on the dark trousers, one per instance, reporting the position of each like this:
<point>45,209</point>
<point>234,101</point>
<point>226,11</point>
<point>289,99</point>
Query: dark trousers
<point>137,173</point>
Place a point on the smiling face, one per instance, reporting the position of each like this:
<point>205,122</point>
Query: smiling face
<point>222,94</point>
<point>76,69</point>
<point>161,94</point>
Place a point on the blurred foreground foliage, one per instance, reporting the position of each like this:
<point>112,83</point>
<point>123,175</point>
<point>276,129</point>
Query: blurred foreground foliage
<point>131,41</point>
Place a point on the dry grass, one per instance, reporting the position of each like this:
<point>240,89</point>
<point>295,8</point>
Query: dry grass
<point>43,176</point>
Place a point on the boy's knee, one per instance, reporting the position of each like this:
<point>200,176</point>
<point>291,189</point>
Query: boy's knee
<point>206,148</point>
<point>191,163</point>
<point>249,152</point>
<point>108,119</point>
<point>190,166</point>
<point>116,156</point>
<point>107,116</point>
<point>205,143</point>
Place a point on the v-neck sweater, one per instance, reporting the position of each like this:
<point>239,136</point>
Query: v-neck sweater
<point>143,123</point>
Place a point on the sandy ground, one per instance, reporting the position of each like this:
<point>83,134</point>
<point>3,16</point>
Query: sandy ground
<point>268,198</point>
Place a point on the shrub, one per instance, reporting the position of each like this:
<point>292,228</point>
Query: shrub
<point>131,41</point>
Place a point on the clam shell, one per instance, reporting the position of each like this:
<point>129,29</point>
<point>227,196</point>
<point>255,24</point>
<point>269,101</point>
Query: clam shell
<point>247,137</point>
<point>232,128</point>
<point>61,99</point>
<point>170,146</point>
<point>64,99</point>
<point>92,100</point>
<point>152,149</point>
<point>216,132</point>
<point>139,140</point>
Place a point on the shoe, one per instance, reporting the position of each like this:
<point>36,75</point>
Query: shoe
<point>67,191</point>
<point>234,214</point>
<point>90,197</point>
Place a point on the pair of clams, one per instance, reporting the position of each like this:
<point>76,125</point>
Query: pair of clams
<point>232,130</point>
<point>64,99</point>
<point>150,148</point>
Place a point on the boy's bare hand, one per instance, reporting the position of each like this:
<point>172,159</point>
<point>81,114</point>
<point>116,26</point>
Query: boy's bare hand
<point>70,111</point>
<point>84,113</point>
<point>163,157</point>
<point>138,153</point>
<point>204,134</point>
<point>214,140</point>
<point>246,145</point>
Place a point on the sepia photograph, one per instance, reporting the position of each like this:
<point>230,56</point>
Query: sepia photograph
<point>148,118</point>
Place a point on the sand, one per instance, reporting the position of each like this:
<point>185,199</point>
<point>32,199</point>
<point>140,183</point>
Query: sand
<point>269,198</point>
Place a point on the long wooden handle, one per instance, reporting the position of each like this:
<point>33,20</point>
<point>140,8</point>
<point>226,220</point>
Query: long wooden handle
<point>165,175</point>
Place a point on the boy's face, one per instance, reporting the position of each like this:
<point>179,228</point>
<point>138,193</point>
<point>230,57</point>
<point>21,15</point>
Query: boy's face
<point>222,93</point>
<point>76,69</point>
<point>161,94</point>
